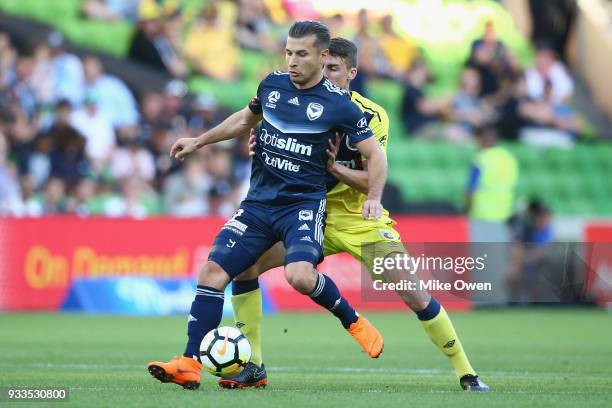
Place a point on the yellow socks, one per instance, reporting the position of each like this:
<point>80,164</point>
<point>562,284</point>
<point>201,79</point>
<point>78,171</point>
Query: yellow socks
<point>440,330</point>
<point>247,315</point>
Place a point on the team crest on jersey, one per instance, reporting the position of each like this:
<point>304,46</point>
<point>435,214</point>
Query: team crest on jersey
<point>273,97</point>
<point>314,110</point>
<point>388,235</point>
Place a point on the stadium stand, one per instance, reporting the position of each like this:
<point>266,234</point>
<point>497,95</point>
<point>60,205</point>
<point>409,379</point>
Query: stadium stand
<point>572,182</point>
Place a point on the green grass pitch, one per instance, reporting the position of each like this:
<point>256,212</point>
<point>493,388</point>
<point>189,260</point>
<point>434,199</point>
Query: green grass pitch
<point>543,357</point>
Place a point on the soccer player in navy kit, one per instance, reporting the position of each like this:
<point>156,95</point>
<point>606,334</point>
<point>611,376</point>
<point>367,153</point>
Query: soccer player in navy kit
<point>301,112</point>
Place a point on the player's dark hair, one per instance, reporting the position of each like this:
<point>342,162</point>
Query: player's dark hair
<point>345,49</point>
<point>301,29</point>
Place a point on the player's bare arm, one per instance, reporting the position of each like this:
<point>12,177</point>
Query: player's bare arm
<point>377,176</point>
<point>233,126</point>
<point>357,179</point>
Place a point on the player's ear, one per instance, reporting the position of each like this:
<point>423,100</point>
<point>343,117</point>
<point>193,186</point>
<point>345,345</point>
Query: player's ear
<point>324,54</point>
<point>352,74</point>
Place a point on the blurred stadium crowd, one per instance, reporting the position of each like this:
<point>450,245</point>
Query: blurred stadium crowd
<point>75,139</point>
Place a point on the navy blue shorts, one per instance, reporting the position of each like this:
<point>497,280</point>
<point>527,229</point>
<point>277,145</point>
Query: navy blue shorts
<point>256,227</point>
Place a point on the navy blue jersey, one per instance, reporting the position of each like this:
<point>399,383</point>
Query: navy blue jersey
<point>290,159</point>
<point>347,155</point>
<point>378,122</point>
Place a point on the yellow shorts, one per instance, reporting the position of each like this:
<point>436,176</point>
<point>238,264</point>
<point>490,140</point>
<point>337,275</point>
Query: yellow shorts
<point>364,242</point>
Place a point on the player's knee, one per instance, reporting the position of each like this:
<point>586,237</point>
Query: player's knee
<point>301,277</point>
<point>211,274</point>
<point>300,283</point>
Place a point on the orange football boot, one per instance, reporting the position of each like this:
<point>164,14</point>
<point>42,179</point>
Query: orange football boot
<point>181,370</point>
<point>367,336</point>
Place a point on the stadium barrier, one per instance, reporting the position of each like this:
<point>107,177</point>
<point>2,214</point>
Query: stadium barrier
<point>136,295</point>
<point>102,265</point>
<point>599,258</point>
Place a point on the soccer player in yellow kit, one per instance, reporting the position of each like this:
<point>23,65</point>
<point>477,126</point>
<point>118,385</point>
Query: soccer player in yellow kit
<point>347,231</point>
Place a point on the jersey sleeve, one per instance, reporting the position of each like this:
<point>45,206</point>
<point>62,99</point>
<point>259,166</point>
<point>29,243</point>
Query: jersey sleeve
<point>255,104</point>
<point>380,127</point>
<point>354,123</point>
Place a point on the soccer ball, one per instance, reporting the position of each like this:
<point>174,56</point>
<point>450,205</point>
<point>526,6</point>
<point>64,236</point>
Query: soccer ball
<point>224,351</point>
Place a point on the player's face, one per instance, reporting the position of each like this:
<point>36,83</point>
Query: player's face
<point>304,59</point>
<point>336,70</point>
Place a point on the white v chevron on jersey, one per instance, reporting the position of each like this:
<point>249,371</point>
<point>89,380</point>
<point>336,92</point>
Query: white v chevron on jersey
<point>289,166</point>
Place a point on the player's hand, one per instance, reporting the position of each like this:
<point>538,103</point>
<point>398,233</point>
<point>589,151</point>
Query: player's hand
<point>371,210</point>
<point>252,142</point>
<point>332,152</point>
<point>183,147</point>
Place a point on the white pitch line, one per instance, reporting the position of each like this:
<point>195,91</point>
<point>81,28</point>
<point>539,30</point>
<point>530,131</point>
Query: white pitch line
<point>290,369</point>
<point>270,389</point>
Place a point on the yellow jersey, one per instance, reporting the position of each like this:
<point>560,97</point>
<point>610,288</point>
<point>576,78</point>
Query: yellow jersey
<point>493,199</point>
<point>344,202</point>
